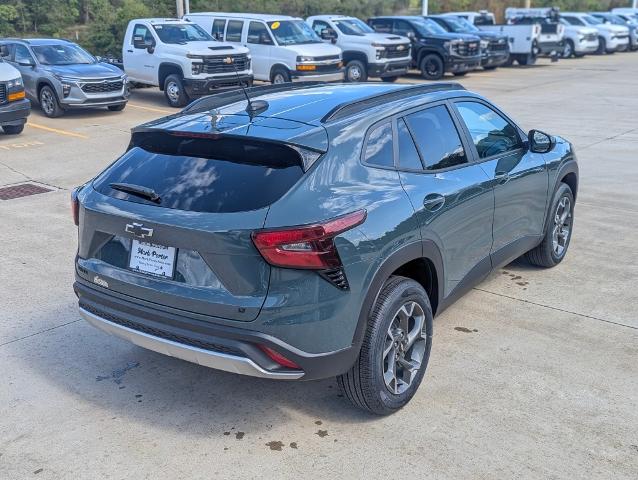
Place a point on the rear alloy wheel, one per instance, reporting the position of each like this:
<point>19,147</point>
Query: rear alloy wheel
<point>568,51</point>
<point>49,103</point>
<point>13,129</point>
<point>356,71</point>
<point>432,67</point>
<point>395,350</point>
<point>279,76</point>
<point>553,248</point>
<point>174,91</point>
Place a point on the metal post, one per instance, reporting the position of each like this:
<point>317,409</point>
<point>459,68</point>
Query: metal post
<point>635,5</point>
<point>180,8</point>
<point>424,7</point>
<point>187,7</point>
<point>528,3</point>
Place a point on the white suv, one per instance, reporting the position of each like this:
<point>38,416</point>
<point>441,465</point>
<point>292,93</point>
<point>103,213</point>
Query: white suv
<point>611,38</point>
<point>366,53</point>
<point>283,48</point>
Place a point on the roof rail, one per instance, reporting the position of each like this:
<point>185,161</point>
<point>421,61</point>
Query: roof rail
<point>222,99</point>
<point>347,109</point>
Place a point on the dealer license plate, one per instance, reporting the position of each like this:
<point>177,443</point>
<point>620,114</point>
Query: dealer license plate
<point>152,259</point>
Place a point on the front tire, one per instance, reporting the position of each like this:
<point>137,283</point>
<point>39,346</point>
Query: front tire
<point>174,91</point>
<point>432,67</point>
<point>558,231</point>
<point>279,76</point>
<point>49,103</point>
<point>13,129</point>
<point>569,49</point>
<point>356,71</point>
<point>395,350</point>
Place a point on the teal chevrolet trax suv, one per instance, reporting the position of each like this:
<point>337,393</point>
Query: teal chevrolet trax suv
<point>303,231</point>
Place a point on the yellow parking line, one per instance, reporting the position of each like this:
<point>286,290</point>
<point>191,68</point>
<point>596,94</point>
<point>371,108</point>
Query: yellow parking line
<point>55,130</point>
<point>150,109</point>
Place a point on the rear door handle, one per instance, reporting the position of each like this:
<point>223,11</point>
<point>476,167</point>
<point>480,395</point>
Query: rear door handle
<point>501,177</point>
<point>433,202</point>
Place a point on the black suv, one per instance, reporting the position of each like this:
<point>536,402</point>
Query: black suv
<point>495,50</point>
<point>434,51</point>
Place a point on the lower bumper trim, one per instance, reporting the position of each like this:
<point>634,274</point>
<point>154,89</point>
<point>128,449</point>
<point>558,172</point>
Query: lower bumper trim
<point>206,358</point>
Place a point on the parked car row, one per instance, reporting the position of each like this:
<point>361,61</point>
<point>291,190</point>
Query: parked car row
<point>204,53</point>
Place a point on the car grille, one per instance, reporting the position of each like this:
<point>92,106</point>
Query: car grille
<point>104,86</point>
<point>622,35</point>
<point>393,51</point>
<point>3,93</point>
<point>217,65</point>
<point>467,49</point>
<point>326,58</point>
<point>590,37</point>
<point>497,45</point>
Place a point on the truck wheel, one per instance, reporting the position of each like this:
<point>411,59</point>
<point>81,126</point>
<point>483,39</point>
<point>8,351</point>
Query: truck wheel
<point>432,67</point>
<point>356,71</point>
<point>568,51</point>
<point>49,103</point>
<point>395,349</point>
<point>13,129</point>
<point>174,91</point>
<point>279,75</point>
<point>602,46</point>
<point>117,108</point>
<point>558,232</point>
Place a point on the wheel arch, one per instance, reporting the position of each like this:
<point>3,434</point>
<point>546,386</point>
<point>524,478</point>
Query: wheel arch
<point>349,55</point>
<point>420,261</point>
<point>42,82</point>
<point>276,66</point>
<point>427,51</point>
<point>165,69</point>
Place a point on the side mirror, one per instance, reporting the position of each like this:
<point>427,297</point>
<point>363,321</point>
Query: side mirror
<point>27,63</point>
<point>411,36</point>
<point>540,142</point>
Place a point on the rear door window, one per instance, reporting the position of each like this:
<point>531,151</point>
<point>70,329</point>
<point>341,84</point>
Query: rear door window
<point>218,28</point>
<point>437,138</point>
<point>233,31</point>
<point>202,175</point>
<point>408,154</point>
<point>382,25</point>
<point>258,33</point>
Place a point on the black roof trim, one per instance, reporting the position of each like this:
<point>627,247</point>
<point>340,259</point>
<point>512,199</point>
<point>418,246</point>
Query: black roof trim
<point>351,108</point>
<point>218,100</point>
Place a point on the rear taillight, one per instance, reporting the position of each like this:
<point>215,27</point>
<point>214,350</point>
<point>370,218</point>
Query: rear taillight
<point>308,246</point>
<point>75,207</point>
<point>279,358</point>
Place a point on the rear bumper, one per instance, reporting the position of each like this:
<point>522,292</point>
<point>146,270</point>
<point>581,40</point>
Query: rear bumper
<point>15,113</point>
<point>209,86</point>
<point>208,344</point>
<point>389,69</point>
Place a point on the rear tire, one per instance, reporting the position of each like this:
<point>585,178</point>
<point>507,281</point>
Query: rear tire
<point>174,91</point>
<point>432,67</point>
<point>356,71</point>
<point>49,102</point>
<point>13,129</point>
<point>395,350</point>
<point>117,108</point>
<point>558,231</point>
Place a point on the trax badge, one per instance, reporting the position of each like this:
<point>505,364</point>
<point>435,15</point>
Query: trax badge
<point>138,230</point>
<point>101,282</point>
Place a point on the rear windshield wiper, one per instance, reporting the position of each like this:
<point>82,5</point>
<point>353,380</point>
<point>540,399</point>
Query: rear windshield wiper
<point>138,190</point>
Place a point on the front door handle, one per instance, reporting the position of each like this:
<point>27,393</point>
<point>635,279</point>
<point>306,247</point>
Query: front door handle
<point>501,177</point>
<point>433,202</point>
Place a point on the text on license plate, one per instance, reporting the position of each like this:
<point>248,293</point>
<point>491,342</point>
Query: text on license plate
<point>153,259</point>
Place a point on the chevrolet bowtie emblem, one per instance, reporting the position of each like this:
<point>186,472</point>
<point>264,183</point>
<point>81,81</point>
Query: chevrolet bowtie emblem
<point>138,230</point>
<point>228,60</point>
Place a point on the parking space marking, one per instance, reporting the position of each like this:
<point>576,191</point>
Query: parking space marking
<point>58,131</point>
<point>17,146</point>
<point>150,109</point>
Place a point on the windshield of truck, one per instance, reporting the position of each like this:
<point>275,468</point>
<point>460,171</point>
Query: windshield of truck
<point>353,26</point>
<point>425,27</point>
<point>460,25</point>
<point>293,32</point>
<point>592,20</point>
<point>181,33</point>
<point>62,55</point>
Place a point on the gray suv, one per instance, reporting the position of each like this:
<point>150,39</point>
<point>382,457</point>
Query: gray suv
<point>267,238</point>
<point>60,75</point>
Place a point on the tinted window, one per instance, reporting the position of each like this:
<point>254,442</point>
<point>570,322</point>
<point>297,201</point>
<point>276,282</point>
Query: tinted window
<point>9,51</point>
<point>258,33</point>
<point>22,54</point>
<point>437,138</point>
<point>408,154</point>
<point>401,27</point>
<point>378,149</point>
<point>204,175</point>
<point>319,26</point>
<point>142,33</point>
<point>181,33</point>
<point>574,21</point>
<point>490,132</point>
<point>382,25</point>
<point>218,29</point>
<point>233,31</point>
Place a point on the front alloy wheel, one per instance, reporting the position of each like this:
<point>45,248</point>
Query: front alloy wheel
<point>562,226</point>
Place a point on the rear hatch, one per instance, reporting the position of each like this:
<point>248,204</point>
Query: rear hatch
<point>191,248</point>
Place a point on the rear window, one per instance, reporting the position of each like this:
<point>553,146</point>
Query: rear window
<point>204,175</point>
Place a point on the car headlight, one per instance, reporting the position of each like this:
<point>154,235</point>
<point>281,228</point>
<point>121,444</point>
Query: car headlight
<point>484,44</point>
<point>15,83</point>
<point>303,59</point>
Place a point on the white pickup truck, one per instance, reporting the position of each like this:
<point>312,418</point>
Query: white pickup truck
<point>182,59</point>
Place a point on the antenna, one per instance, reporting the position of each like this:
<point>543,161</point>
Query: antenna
<point>253,108</point>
